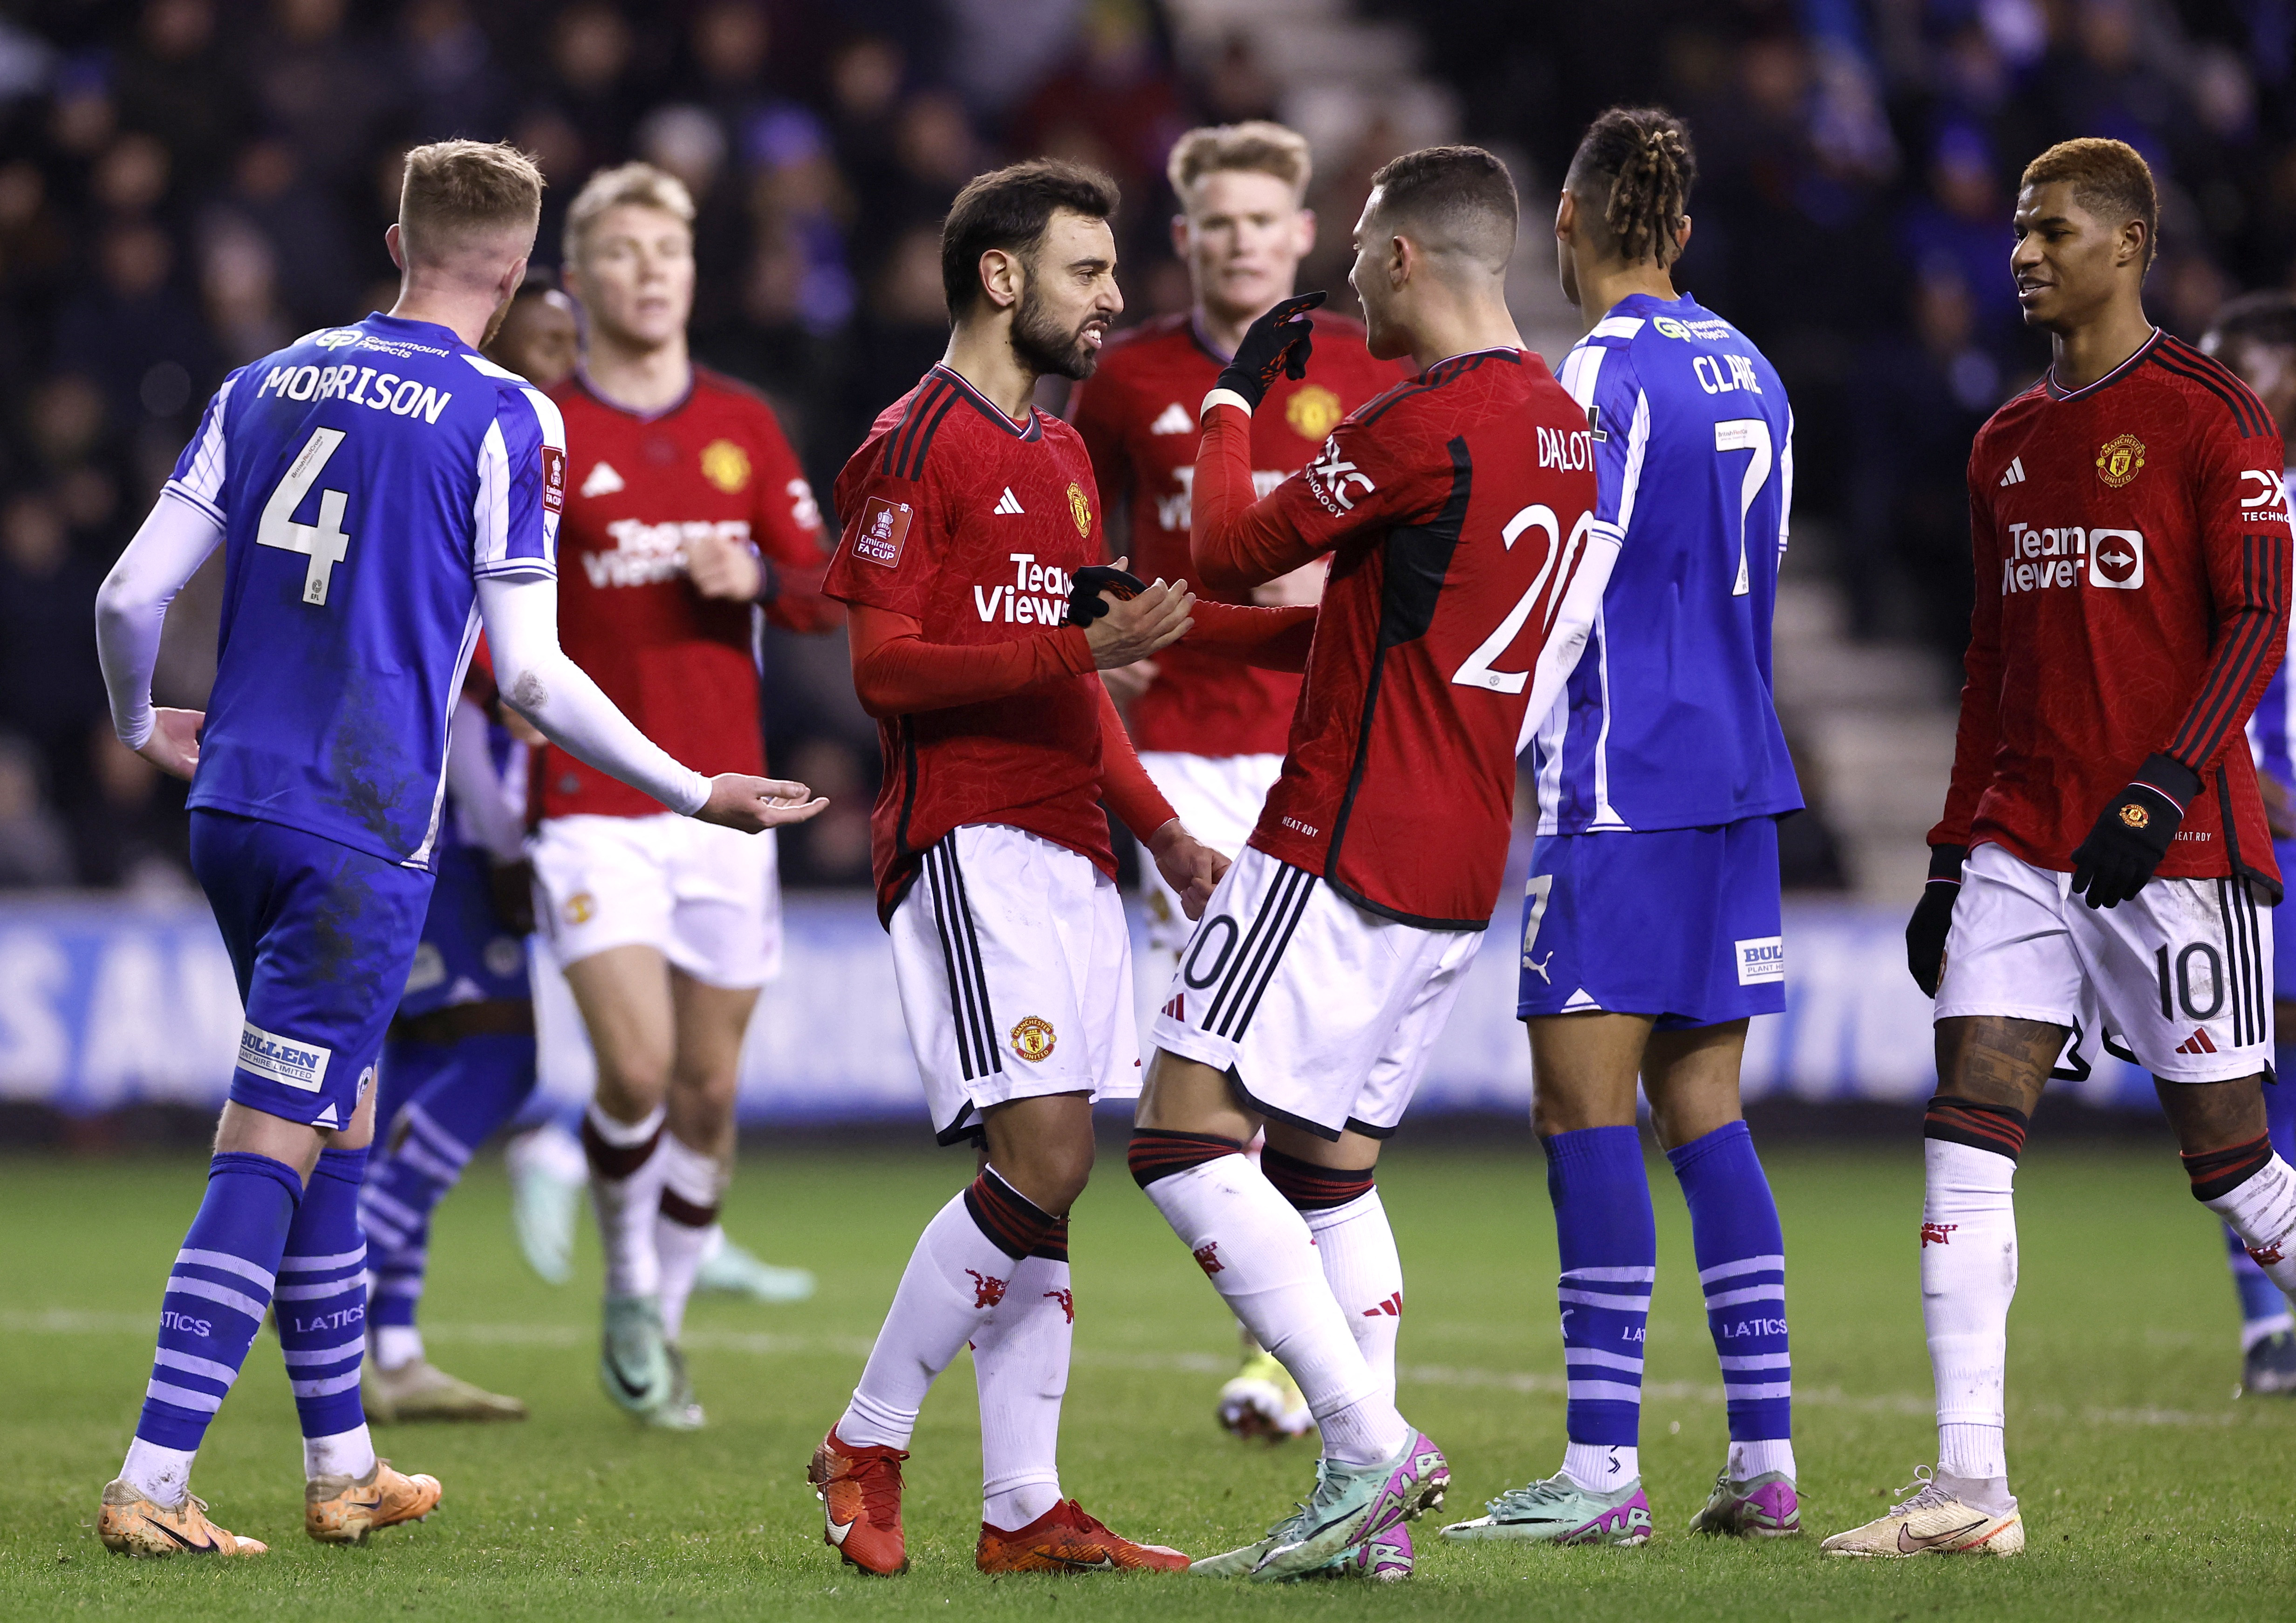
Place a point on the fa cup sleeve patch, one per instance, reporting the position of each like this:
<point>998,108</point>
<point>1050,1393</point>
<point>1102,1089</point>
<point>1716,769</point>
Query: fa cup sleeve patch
<point>883,528</point>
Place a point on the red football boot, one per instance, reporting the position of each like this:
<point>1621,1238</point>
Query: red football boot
<point>1067,1539</point>
<point>860,1495</point>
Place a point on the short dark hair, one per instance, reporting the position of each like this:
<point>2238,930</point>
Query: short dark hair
<point>1010,209</point>
<point>2110,179</point>
<point>2265,318</point>
<point>1462,196</point>
<point>1634,167</point>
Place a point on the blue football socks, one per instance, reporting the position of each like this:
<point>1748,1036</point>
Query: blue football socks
<point>1609,1246</point>
<point>443,1100</point>
<point>1742,1267</point>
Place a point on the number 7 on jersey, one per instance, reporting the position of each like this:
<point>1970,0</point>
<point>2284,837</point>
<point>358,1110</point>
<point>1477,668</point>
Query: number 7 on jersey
<point>323,543</point>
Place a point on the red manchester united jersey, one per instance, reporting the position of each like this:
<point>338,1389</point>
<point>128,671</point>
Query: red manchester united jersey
<point>682,666</point>
<point>1137,415</point>
<point>1455,508</point>
<point>970,523</point>
<point>2132,550</point>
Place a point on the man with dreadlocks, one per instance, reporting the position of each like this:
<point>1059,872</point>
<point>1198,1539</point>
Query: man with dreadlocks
<point>1651,928</point>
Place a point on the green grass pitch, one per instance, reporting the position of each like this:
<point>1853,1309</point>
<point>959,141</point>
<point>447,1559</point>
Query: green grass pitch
<point>2150,1491</point>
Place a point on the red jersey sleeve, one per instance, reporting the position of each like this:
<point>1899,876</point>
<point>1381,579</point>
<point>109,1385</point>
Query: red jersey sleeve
<point>785,522</point>
<point>896,672</point>
<point>1238,542</point>
<point>1124,783</point>
<point>1268,638</point>
<point>2245,544</point>
<point>1979,736</point>
<point>885,558</point>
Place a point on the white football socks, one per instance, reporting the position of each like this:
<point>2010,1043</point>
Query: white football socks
<point>1263,1262</point>
<point>161,1475</point>
<point>692,1185</point>
<point>1021,1363</point>
<point>1751,1460</point>
<point>346,1453</point>
<point>626,1205</point>
<point>1968,1275</point>
<point>2262,1211</point>
<point>395,1346</point>
<point>956,1277</point>
<point>1602,1468</point>
<point>1366,1274</point>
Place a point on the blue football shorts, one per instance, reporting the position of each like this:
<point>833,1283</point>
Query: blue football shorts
<point>1682,924</point>
<point>320,938</point>
<point>466,954</point>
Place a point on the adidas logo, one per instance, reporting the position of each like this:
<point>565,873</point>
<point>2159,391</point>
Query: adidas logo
<point>1177,1008</point>
<point>1173,420</point>
<point>603,480</point>
<point>1392,1307</point>
<point>2016,473</point>
<point>1008,501</point>
<point>2198,1043</point>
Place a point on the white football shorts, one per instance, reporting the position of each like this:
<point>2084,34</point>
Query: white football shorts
<point>707,899</point>
<point>1218,798</point>
<point>1014,965</point>
<point>2180,974</point>
<point>1320,1013</point>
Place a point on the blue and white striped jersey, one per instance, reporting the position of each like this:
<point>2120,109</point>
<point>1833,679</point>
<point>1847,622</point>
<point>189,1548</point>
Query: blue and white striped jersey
<point>2268,723</point>
<point>366,477</point>
<point>1669,720</point>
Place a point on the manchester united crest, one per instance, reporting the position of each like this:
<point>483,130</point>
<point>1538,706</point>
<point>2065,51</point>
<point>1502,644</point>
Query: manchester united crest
<point>725,465</point>
<point>1080,511</point>
<point>1033,1039</point>
<point>2120,460</point>
<point>1313,411</point>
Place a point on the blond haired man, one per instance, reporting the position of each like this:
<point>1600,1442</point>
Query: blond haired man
<point>380,490</point>
<point>691,522</point>
<point>1211,730</point>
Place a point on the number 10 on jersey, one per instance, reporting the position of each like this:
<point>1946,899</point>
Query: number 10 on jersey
<point>324,543</point>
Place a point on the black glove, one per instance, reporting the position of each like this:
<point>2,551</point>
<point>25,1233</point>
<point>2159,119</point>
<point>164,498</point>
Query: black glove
<point>1275,346</point>
<point>1086,603</point>
<point>1925,933</point>
<point>2134,831</point>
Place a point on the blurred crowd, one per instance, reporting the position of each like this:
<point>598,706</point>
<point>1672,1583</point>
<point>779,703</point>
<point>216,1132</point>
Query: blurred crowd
<point>1859,162</point>
<point>185,185</point>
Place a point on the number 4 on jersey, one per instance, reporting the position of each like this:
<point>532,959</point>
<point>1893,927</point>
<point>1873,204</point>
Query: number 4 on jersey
<point>323,543</point>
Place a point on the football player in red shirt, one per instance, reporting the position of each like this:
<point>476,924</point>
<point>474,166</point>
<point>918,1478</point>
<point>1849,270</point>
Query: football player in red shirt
<point>687,518</point>
<point>1210,730</point>
<point>967,516</point>
<point>1466,564</point>
<point>2103,853</point>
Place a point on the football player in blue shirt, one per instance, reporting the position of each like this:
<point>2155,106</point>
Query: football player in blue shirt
<point>1650,922</point>
<point>380,491</point>
<point>2255,335</point>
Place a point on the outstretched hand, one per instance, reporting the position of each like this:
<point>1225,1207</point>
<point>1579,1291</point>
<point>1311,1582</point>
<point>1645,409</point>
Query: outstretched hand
<point>753,804</point>
<point>1275,346</point>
